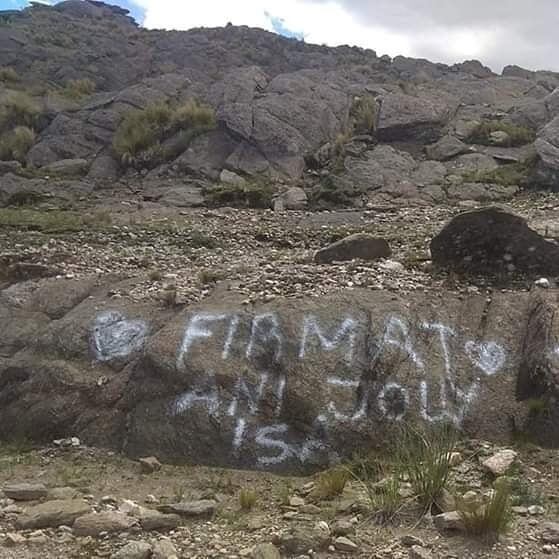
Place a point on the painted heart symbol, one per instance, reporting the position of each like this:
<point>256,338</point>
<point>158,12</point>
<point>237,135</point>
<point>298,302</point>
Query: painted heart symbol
<point>114,336</point>
<point>489,357</point>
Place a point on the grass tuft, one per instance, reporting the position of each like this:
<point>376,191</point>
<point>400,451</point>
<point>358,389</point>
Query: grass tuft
<point>247,499</point>
<point>425,458</point>
<point>488,520</point>
<point>331,483</point>
<point>249,195</point>
<point>139,139</point>
<point>518,135</point>
<point>15,144</point>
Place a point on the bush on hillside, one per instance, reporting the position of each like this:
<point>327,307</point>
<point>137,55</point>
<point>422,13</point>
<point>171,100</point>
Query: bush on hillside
<point>77,89</point>
<point>18,109</point>
<point>363,114</point>
<point>518,135</point>
<point>8,75</point>
<point>15,144</point>
<point>138,139</point>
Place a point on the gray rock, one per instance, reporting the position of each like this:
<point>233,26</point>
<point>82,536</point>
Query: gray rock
<point>345,545</point>
<point>446,148</point>
<point>104,167</point>
<point>157,521</point>
<point>134,550</point>
<point>62,493</point>
<point>408,118</point>
<point>228,177</point>
<point>265,551</point>
<point>149,465</point>
<point>343,528</point>
<point>550,532</point>
<point>94,524</point>
<point>360,245</point>
<point>25,491</point>
<point>10,167</point>
<point>410,540</point>
<point>418,552</point>
<point>66,168</point>
<point>164,549</point>
<point>52,514</point>
<point>206,507</point>
<point>294,198</point>
<point>448,522</point>
<point>499,463</point>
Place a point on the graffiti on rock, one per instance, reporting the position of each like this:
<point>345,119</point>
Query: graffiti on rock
<point>353,374</point>
<point>115,337</point>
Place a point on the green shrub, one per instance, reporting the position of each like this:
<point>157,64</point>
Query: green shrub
<point>424,456</point>
<point>363,114</point>
<point>247,499</point>
<point>8,74</point>
<point>511,174</point>
<point>18,109</point>
<point>138,139</point>
<point>249,195</point>
<point>14,145</point>
<point>77,89</point>
<point>490,519</point>
<point>331,483</point>
<point>518,135</point>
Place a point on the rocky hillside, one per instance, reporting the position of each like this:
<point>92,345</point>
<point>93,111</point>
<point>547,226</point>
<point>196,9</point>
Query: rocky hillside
<point>237,115</point>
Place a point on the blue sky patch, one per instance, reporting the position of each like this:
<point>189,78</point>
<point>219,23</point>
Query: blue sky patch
<point>278,25</point>
<point>135,11</point>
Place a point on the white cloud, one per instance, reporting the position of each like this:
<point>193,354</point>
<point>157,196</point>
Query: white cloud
<point>498,33</point>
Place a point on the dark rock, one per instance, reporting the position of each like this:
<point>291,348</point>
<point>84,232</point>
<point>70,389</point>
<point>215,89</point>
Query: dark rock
<point>67,168</point>
<point>494,241</point>
<point>360,245</point>
<point>157,521</point>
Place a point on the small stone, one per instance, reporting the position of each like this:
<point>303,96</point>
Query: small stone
<point>133,550</point>
<point>544,283</point>
<point>14,539</point>
<point>345,544</point>
<point>154,520</point>
<point>25,491</point>
<point>164,549</point>
<point>410,541</point>
<point>265,551</point>
<point>536,510</point>
<point>448,522</point>
<point>296,501</point>
<point>521,511</point>
<point>151,500</point>
<point>190,508</point>
<point>149,465</point>
<point>499,463</point>
<point>418,552</point>
<point>343,528</point>
<point>550,532</point>
<point>455,458</point>
<point>309,509</point>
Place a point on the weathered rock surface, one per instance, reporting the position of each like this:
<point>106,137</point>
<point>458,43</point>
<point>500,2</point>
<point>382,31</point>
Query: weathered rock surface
<point>25,491</point>
<point>134,550</point>
<point>52,514</point>
<point>500,463</point>
<point>205,507</point>
<point>494,241</point>
<point>94,524</point>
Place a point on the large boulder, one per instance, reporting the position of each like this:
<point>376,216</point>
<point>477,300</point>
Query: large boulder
<point>547,146</point>
<point>360,245</point>
<point>409,118</point>
<point>495,242</point>
<point>290,386</point>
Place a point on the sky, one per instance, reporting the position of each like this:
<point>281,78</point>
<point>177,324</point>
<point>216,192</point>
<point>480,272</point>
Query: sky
<point>497,32</point>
